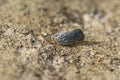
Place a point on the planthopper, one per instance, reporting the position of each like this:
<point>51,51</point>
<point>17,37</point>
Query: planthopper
<point>69,38</point>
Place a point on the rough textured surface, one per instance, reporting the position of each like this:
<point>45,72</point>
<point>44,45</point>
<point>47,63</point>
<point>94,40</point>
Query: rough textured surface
<point>26,52</point>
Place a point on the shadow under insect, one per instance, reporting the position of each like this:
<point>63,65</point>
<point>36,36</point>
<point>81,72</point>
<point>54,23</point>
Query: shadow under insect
<point>85,43</point>
<point>88,43</point>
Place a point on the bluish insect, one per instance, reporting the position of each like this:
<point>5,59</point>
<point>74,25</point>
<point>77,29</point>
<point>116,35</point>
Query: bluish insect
<point>68,38</point>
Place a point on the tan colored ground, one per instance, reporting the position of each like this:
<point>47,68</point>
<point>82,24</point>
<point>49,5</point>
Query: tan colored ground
<point>26,52</point>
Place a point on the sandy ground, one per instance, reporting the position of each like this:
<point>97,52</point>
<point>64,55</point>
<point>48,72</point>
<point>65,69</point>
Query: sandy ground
<point>28,53</point>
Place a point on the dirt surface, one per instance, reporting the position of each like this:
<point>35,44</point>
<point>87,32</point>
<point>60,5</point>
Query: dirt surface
<point>27,51</point>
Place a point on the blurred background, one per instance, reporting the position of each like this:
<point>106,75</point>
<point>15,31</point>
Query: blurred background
<point>26,53</point>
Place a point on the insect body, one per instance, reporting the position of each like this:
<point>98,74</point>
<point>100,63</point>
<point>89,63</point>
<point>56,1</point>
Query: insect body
<point>68,38</point>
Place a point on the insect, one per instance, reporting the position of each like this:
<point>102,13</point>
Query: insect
<point>68,38</point>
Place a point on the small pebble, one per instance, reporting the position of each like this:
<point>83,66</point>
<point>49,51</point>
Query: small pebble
<point>68,38</point>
